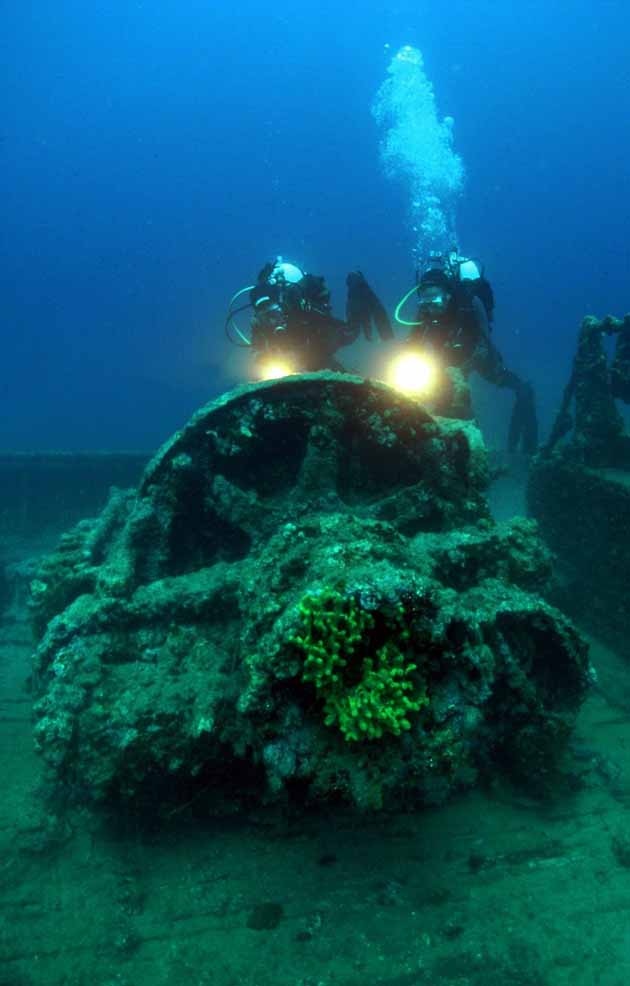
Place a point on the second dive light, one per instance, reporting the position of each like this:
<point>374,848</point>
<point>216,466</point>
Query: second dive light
<point>413,373</point>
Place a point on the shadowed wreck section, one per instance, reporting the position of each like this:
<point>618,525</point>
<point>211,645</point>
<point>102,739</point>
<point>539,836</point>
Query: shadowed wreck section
<point>305,599</point>
<point>579,484</point>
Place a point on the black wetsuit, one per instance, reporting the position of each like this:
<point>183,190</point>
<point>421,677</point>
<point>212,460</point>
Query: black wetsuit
<point>461,337</point>
<point>296,319</point>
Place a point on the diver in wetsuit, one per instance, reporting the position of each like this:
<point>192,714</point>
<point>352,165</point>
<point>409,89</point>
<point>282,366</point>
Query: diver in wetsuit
<point>292,314</point>
<point>455,307</point>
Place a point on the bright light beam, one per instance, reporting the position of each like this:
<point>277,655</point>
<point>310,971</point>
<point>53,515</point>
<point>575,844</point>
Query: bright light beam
<point>274,369</point>
<point>413,373</point>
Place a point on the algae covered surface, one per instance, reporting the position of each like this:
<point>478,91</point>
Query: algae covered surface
<point>306,600</point>
<point>303,715</point>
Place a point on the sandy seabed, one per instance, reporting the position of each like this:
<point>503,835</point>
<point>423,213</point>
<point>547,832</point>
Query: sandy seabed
<point>495,888</point>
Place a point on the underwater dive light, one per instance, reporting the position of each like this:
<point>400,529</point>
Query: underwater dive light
<point>274,367</point>
<point>413,373</point>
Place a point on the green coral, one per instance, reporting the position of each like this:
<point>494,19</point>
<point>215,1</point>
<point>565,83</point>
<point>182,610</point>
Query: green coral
<point>358,667</point>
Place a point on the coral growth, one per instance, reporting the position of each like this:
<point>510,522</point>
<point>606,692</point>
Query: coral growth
<point>363,673</point>
<point>305,598</point>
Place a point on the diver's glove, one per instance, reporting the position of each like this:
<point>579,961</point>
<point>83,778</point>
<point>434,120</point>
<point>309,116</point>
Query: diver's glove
<point>523,432</point>
<point>364,310</point>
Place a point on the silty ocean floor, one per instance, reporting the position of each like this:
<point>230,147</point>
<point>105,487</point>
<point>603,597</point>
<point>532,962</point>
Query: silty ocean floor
<point>495,888</point>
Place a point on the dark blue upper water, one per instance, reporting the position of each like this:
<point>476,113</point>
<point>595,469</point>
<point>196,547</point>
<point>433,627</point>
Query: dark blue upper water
<point>153,156</point>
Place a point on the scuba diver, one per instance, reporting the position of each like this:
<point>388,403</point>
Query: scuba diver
<point>454,320</point>
<point>292,326</point>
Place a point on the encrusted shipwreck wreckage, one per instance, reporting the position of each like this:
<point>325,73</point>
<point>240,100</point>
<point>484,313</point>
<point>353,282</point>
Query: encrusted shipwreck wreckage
<point>305,599</point>
<point>579,487</point>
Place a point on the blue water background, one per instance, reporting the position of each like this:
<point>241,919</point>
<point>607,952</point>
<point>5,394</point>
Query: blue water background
<point>154,155</point>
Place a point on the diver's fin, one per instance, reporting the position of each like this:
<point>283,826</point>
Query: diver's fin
<point>380,318</point>
<point>523,430</point>
<point>357,304</point>
<point>364,310</point>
